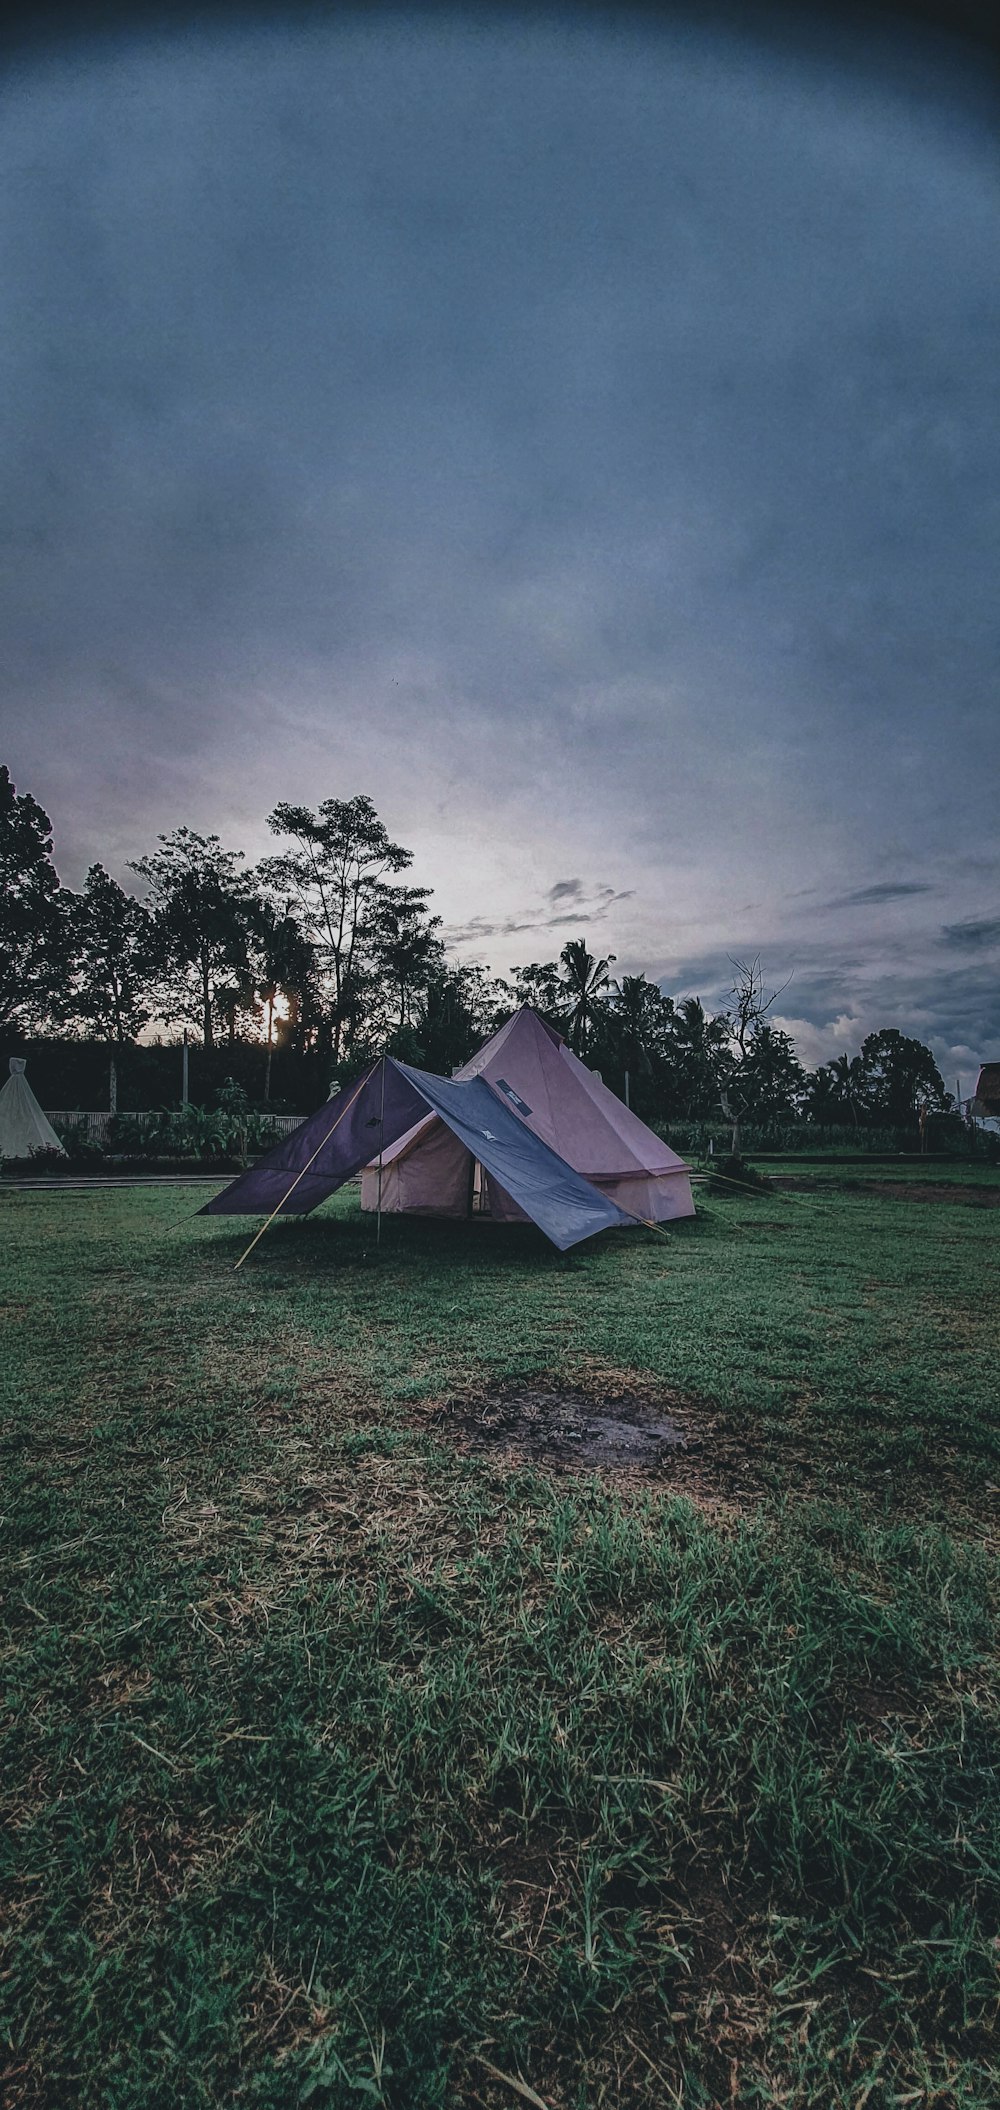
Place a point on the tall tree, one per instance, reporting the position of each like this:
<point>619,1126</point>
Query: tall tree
<point>33,949</point>
<point>341,856</point>
<point>637,1014</point>
<point>702,1059</point>
<point>771,1079</point>
<point>454,1015</point>
<point>286,969</point>
<point>112,978</point>
<point>204,913</point>
<point>751,1002</point>
<point>836,1091</point>
<point>898,1075</point>
<point>406,947</point>
<point>584,979</point>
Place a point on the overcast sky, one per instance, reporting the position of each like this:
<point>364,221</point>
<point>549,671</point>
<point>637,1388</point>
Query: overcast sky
<point>582,438</point>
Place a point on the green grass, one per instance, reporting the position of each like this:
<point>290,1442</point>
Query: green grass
<point>343,1765</point>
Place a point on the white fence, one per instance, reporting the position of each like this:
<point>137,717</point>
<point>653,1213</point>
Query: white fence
<point>95,1126</point>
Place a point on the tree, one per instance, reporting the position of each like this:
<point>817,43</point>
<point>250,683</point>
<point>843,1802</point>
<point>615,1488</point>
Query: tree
<point>584,978</point>
<point>633,1036</point>
<point>836,1091</point>
<point>286,967</point>
<point>454,1015</point>
<point>113,959</point>
<point>538,985</point>
<point>342,855</point>
<point>204,913</point>
<point>701,1058</point>
<point>750,1005</point>
<point>771,1079</point>
<point>761,1059</point>
<point>898,1075</point>
<point>405,944</point>
<point>32,926</point>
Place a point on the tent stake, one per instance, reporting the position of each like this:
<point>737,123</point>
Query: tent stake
<point>301,1175</point>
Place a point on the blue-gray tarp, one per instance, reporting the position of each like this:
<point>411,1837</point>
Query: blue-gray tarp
<point>560,1201</point>
<point>348,1131</point>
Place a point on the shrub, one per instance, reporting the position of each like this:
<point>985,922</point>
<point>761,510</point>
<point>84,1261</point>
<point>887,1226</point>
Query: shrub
<point>732,1175</point>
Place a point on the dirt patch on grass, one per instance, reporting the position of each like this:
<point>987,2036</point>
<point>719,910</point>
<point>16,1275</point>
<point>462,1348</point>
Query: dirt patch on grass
<point>571,1428</point>
<point>628,1432</point>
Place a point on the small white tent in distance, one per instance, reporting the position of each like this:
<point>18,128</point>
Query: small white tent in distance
<point>23,1126</point>
<point>428,1172</point>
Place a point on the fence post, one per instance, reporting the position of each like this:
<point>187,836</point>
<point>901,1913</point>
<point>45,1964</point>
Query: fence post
<point>184,1070</point>
<point>113,1088</point>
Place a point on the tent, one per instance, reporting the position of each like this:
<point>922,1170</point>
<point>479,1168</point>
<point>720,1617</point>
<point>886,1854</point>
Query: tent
<point>428,1172</point>
<point>23,1127</point>
<point>530,1179</point>
<point>554,1147</point>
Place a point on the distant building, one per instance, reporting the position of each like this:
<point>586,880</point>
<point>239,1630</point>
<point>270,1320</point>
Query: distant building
<point>986,1104</point>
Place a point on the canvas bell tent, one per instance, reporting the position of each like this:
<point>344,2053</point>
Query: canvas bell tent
<point>428,1171</point>
<point>483,1138</point>
<point>23,1127</point>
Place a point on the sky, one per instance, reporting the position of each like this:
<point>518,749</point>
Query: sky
<point>579,434</point>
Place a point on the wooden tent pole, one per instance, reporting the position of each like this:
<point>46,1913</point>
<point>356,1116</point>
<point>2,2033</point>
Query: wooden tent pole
<point>301,1175</point>
<point>381,1138</point>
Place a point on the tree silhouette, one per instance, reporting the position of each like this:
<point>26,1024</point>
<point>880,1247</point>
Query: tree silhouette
<point>341,857</point>
<point>204,912</point>
<point>583,979</point>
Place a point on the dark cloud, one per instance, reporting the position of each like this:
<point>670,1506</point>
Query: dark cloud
<point>974,934</point>
<point>583,440</point>
<point>590,905</point>
<point>886,890</point>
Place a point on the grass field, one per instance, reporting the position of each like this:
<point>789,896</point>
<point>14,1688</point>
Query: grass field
<point>344,1762</point>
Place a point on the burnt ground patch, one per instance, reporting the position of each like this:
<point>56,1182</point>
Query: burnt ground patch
<point>626,1432</point>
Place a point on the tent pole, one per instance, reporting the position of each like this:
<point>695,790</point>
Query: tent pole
<point>381,1138</point>
<point>301,1175</point>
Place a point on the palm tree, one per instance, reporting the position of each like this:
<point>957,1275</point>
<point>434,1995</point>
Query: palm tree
<point>847,1081</point>
<point>701,1046</point>
<point>583,978</point>
<point>636,1002</point>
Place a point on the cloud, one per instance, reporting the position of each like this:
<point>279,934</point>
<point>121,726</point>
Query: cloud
<point>974,934</point>
<point>590,905</point>
<point>428,408</point>
<point>885,890</point>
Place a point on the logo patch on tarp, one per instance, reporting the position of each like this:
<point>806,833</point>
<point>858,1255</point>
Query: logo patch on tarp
<point>514,1097</point>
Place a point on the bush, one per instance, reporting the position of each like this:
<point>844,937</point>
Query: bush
<point>208,1133</point>
<point>212,1135</point>
<point>944,1132</point>
<point>732,1175</point>
<point>38,1161</point>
